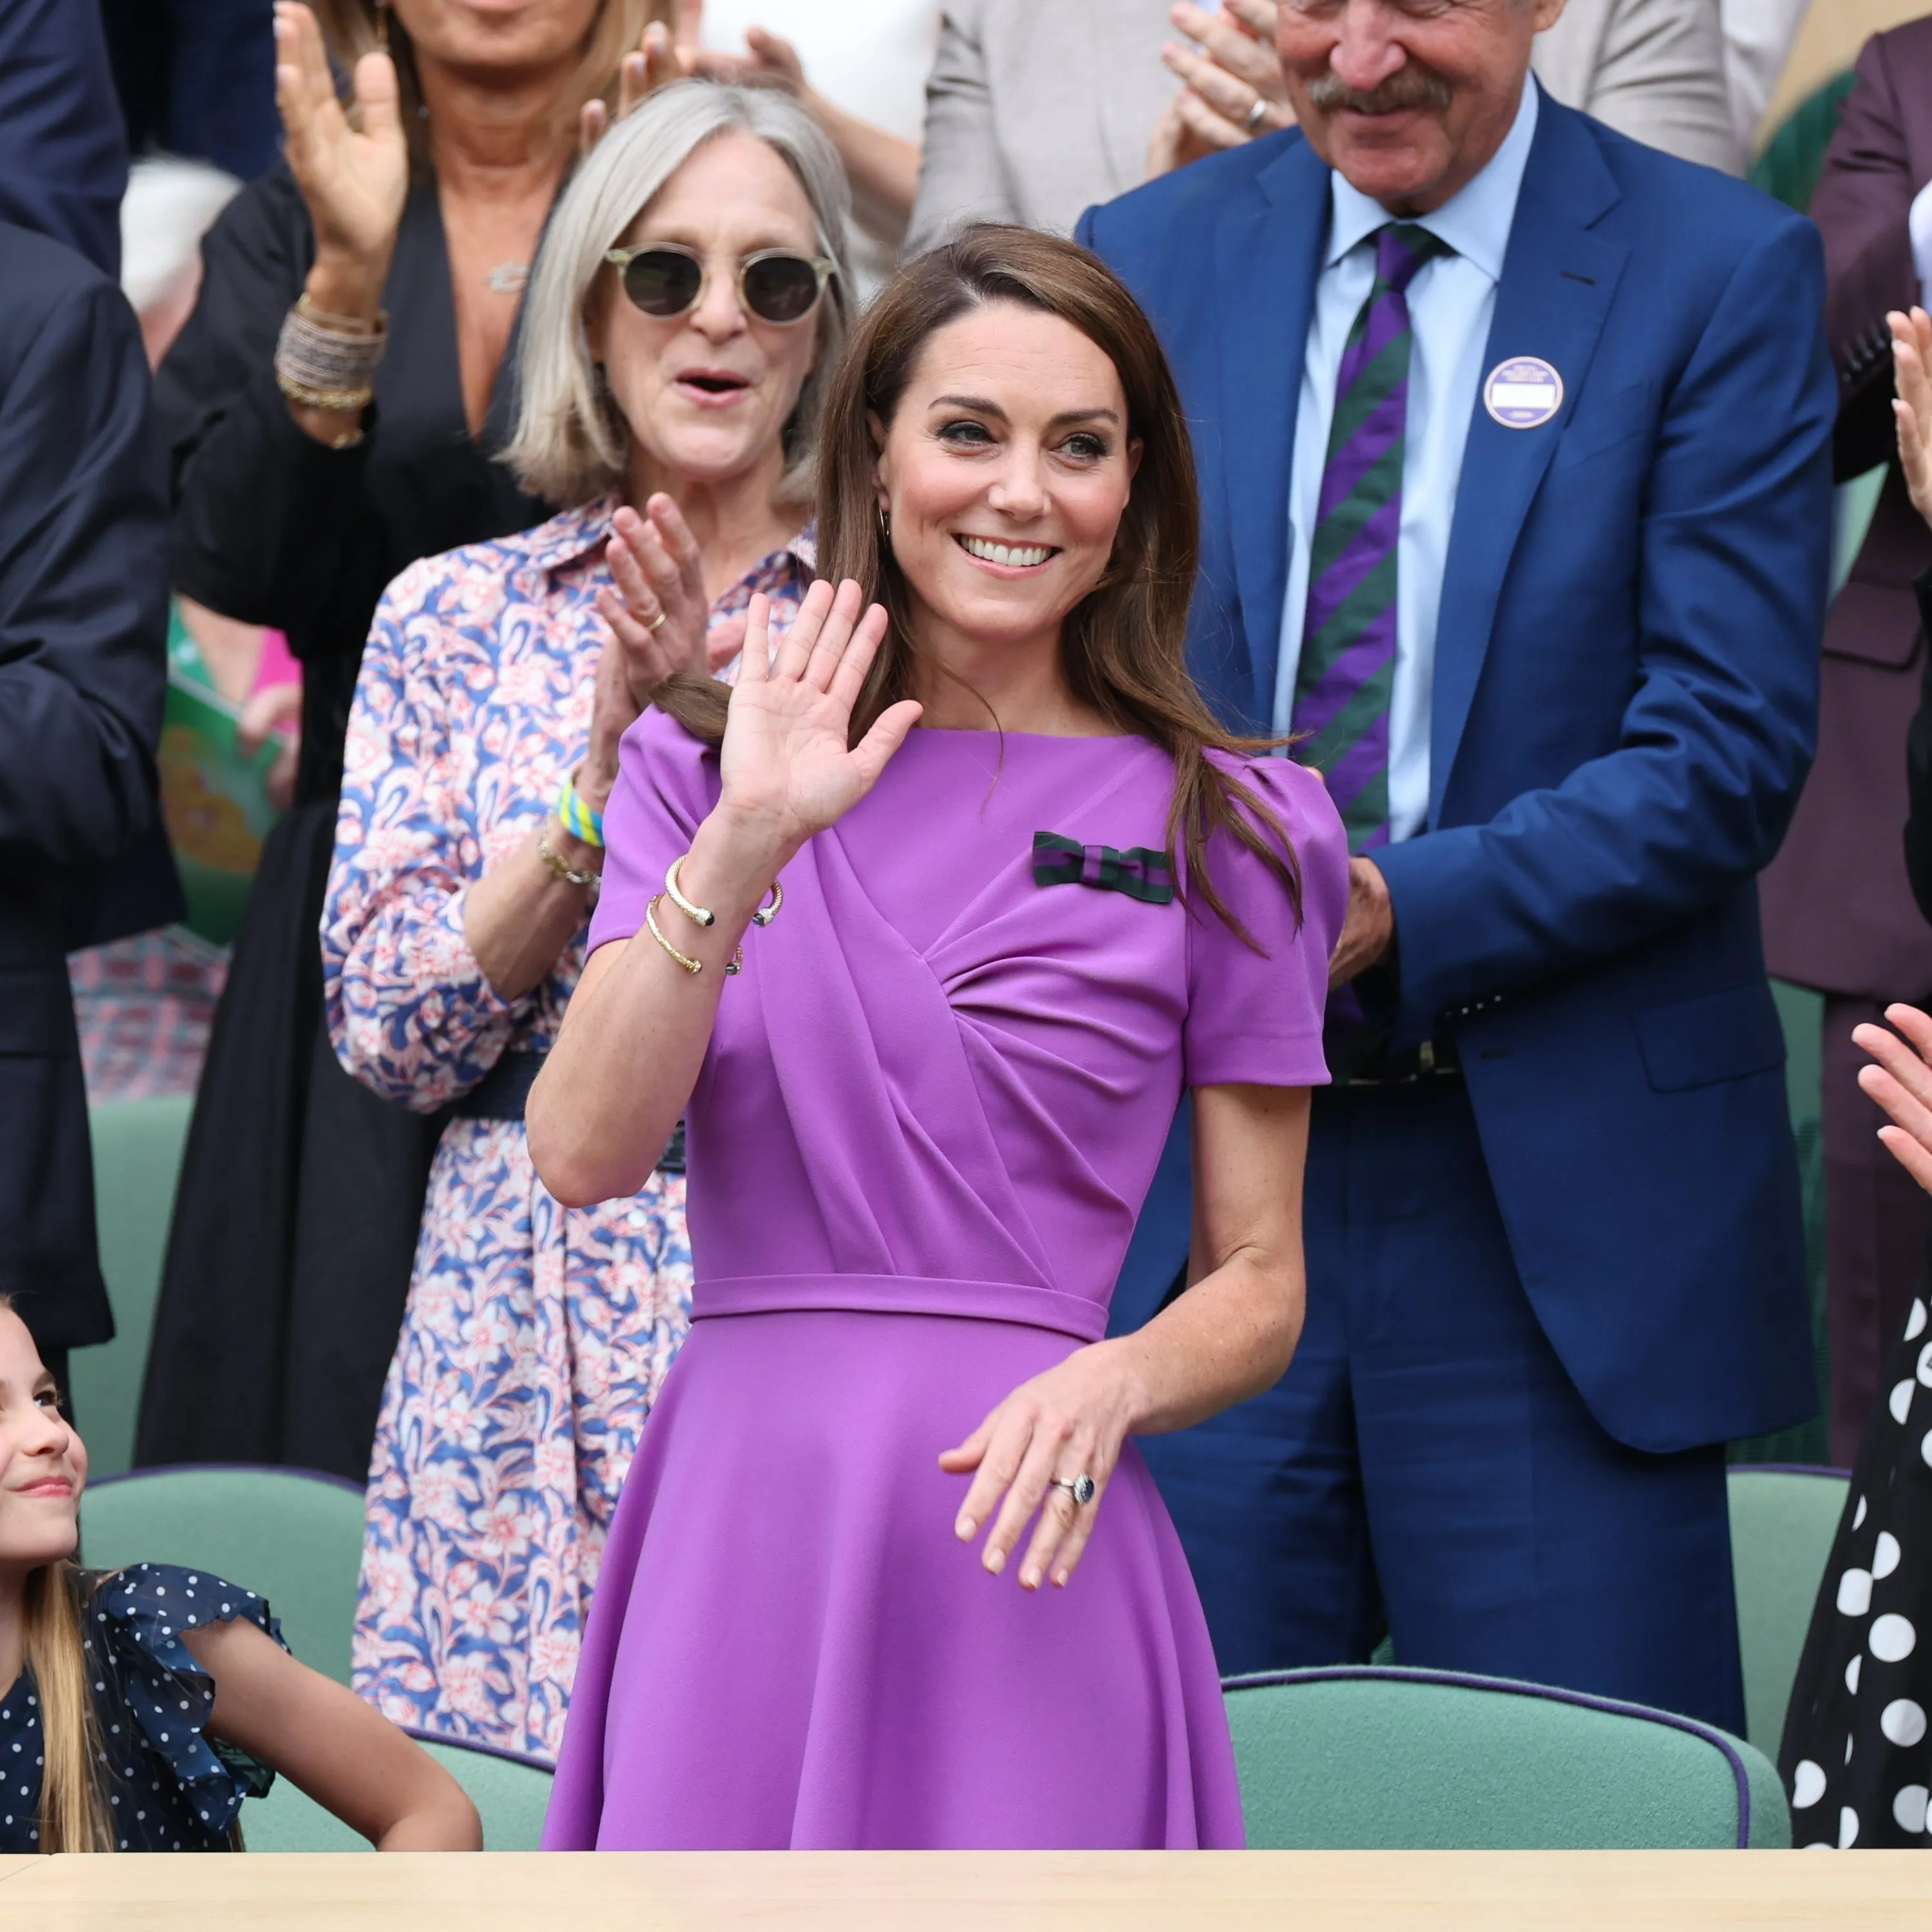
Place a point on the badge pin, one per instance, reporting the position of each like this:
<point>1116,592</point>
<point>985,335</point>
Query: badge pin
<point>1523,393</point>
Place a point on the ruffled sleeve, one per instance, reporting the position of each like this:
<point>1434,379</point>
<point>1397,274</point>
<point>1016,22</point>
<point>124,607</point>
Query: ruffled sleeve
<point>1256,1017</point>
<point>138,1615</point>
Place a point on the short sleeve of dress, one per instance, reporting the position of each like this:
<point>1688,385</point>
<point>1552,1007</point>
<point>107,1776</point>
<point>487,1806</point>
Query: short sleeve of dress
<point>1255,1018</point>
<point>667,784</point>
<point>138,1615</point>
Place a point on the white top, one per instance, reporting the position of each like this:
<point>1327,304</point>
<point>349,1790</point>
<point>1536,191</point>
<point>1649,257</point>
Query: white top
<point>869,57</point>
<point>1452,301</point>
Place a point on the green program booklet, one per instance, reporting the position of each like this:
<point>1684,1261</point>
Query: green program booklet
<point>213,795</point>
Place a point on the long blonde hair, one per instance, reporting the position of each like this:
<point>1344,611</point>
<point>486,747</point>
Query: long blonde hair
<point>74,1797</point>
<point>74,1803</point>
<point>351,29</point>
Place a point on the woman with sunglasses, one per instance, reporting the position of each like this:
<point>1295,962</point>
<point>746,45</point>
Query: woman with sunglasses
<point>692,290</point>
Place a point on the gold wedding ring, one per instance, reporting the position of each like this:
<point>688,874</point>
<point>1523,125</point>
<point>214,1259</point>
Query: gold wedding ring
<point>657,623</point>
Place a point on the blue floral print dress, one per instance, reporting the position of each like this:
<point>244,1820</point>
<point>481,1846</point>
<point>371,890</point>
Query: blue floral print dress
<point>535,1336</point>
<point>170,1787</point>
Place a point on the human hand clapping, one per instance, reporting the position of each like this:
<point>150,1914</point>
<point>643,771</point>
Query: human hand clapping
<point>1900,1079</point>
<point>354,176</point>
<point>1233,90</point>
<point>1911,407</point>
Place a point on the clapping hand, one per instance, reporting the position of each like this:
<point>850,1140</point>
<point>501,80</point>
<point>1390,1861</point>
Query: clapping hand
<point>1232,90</point>
<point>1912,408</point>
<point>787,766</point>
<point>651,63</point>
<point>354,176</point>
<point>1901,1078</point>
<point>656,611</point>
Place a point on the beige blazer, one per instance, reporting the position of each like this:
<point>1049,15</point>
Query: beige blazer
<point>1037,109</point>
<point>1651,69</point>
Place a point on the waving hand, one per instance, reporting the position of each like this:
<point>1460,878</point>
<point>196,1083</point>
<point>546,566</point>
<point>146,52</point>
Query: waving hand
<point>786,763</point>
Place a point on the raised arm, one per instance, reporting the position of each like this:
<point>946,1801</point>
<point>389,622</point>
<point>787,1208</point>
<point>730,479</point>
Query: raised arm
<point>637,1028</point>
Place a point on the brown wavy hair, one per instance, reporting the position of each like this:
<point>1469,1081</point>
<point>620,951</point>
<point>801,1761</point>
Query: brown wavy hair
<point>1123,647</point>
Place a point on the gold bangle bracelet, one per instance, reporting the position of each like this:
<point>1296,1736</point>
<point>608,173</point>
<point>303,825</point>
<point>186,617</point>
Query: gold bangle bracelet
<point>684,959</point>
<point>342,399</point>
<point>560,866</point>
<point>700,915</point>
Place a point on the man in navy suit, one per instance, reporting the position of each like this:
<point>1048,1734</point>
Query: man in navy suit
<point>1514,446</point>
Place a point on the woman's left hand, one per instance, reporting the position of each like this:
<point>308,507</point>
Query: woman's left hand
<point>1068,1423</point>
<point>655,603</point>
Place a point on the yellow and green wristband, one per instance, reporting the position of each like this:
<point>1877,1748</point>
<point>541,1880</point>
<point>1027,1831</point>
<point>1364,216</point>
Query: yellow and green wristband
<point>576,817</point>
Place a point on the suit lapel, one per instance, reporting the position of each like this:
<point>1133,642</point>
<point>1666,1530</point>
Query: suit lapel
<point>1557,280</point>
<point>1269,256</point>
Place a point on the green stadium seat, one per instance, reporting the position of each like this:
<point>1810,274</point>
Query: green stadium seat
<point>1353,1758</point>
<point>509,1791</point>
<point>1783,1521</point>
<point>290,1535</point>
<point>137,1158</point>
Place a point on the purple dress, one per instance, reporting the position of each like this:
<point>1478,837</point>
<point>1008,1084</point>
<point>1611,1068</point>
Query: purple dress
<point>931,1108</point>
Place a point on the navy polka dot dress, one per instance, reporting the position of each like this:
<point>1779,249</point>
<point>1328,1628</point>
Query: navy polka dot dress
<point>170,1788</point>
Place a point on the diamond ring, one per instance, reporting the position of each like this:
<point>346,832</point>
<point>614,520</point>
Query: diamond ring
<point>1080,1488</point>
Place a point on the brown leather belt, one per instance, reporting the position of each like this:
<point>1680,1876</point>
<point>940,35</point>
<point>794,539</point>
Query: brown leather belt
<point>1433,1059</point>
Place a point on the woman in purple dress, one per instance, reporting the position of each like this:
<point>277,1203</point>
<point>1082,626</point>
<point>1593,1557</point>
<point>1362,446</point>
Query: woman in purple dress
<point>924,1112</point>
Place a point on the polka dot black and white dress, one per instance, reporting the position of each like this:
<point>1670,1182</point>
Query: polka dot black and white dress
<point>1856,1758</point>
<point>170,1787</point>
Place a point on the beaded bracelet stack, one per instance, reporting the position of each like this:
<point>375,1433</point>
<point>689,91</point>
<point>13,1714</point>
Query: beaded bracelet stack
<point>325,361</point>
<point>702,915</point>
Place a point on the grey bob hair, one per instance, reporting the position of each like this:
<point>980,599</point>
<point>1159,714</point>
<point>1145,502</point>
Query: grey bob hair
<point>570,441</point>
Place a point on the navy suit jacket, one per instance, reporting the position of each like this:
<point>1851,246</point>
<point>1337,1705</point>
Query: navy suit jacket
<point>83,673</point>
<point>1624,708</point>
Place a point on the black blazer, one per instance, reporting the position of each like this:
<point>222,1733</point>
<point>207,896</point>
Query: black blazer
<point>83,629</point>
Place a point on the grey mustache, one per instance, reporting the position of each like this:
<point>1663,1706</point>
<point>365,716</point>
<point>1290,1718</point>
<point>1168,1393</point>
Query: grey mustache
<point>1410,86</point>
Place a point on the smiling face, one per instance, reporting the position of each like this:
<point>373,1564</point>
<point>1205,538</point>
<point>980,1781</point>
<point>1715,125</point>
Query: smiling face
<point>43,1464</point>
<point>1006,470</point>
<point>706,394</point>
<point>1408,100</point>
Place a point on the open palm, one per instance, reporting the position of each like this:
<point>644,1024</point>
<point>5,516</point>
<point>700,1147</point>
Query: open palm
<point>354,176</point>
<point>786,763</point>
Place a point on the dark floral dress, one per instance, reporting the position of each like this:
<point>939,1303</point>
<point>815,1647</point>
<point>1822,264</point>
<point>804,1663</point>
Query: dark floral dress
<point>170,1788</point>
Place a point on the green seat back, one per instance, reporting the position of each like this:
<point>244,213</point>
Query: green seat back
<point>510,1793</point>
<point>1782,1524</point>
<point>137,1158</point>
<point>1358,1758</point>
<point>289,1535</point>
<point>1793,159</point>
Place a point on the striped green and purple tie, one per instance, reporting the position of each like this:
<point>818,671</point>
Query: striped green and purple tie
<point>1346,676</point>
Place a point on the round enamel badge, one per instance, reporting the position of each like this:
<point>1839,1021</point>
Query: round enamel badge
<point>1523,393</point>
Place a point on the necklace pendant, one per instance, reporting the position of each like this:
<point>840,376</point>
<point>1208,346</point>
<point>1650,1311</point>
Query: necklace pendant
<point>507,278</point>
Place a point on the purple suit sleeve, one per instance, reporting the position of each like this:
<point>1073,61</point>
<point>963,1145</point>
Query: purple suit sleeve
<point>1254,1018</point>
<point>1862,206</point>
<point>667,783</point>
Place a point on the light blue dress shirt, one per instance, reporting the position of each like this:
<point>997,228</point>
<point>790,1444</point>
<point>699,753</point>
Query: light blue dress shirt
<point>1451,303</point>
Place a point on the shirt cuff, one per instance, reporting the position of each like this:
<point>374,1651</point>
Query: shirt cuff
<point>1919,225</point>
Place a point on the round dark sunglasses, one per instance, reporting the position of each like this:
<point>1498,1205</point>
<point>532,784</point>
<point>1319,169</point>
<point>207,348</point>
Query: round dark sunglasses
<point>774,285</point>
